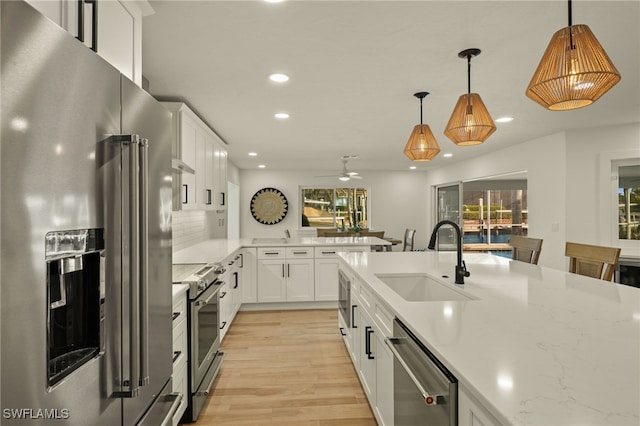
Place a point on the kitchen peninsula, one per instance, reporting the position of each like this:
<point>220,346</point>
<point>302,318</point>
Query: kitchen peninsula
<point>529,345</point>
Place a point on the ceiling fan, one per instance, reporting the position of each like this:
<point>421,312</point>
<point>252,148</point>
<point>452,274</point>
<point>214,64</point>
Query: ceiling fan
<point>346,175</point>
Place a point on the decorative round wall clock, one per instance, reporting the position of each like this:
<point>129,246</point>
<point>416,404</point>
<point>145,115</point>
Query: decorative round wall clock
<point>269,206</point>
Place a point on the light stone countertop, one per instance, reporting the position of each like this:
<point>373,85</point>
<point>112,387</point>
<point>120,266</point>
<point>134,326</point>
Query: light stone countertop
<point>177,290</point>
<point>216,250</point>
<point>539,346</point>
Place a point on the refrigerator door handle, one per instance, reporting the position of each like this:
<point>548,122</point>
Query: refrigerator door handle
<point>131,378</point>
<point>144,267</point>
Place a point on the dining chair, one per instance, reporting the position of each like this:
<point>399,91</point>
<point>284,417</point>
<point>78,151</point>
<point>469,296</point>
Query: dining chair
<point>320,232</point>
<point>525,249</point>
<point>377,234</point>
<point>590,260</point>
<point>332,233</point>
<point>407,243</point>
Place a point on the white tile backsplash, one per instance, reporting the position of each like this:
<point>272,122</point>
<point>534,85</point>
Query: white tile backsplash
<point>189,228</point>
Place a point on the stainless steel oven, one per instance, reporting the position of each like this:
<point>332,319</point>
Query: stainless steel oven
<point>344,297</point>
<point>204,357</point>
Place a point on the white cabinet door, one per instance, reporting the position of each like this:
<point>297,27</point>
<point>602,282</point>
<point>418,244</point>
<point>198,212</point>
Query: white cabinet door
<point>384,382</point>
<point>188,148</point>
<point>471,413</point>
<point>204,170</point>
<point>117,22</point>
<point>249,284</point>
<point>368,353</point>
<point>299,280</point>
<point>326,279</point>
<point>220,175</point>
<point>271,281</point>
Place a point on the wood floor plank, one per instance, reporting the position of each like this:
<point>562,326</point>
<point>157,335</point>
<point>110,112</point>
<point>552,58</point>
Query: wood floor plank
<point>286,368</point>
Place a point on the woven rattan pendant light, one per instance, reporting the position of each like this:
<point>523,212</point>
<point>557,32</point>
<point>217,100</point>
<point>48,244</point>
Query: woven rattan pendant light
<point>422,145</point>
<point>574,71</point>
<point>470,122</point>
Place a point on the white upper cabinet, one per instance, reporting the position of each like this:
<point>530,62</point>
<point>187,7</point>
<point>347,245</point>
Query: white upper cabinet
<point>119,32</point>
<point>200,149</point>
<point>220,174</point>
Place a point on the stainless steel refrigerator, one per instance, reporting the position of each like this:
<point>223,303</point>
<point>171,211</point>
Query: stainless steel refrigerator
<point>86,235</point>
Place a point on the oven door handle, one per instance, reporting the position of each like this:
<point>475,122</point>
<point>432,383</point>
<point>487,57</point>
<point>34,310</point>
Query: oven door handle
<point>430,398</point>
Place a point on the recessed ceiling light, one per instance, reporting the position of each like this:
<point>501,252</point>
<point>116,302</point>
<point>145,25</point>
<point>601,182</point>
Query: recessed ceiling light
<point>447,155</point>
<point>261,166</point>
<point>412,167</point>
<point>281,115</point>
<point>279,77</point>
<point>504,120</point>
<point>253,154</point>
<point>274,1</point>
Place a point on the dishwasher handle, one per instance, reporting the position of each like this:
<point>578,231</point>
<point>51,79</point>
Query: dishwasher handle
<point>429,398</point>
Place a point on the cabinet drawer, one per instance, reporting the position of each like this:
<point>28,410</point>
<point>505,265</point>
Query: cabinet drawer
<point>180,341</point>
<point>271,252</point>
<point>179,310</point>
<point>326,252</point>
<point>384,320</point>
<point>366,298</point>
<point>180,385</point>
<point>299,252</point>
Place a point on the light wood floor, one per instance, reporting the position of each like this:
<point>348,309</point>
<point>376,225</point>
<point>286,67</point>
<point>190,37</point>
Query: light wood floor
<point>286,368</point>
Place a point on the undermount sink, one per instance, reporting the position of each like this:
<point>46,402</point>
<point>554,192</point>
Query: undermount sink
<point>269,241</point>
<point>422,288</point>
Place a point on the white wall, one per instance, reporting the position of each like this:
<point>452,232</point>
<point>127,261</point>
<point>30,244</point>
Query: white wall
<point>398,200</point>
<point>564,183</point>
<point>589,218</point>
<point>544,159</point>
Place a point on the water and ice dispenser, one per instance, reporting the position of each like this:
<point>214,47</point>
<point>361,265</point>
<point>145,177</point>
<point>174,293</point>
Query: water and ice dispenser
<point>75,299</point>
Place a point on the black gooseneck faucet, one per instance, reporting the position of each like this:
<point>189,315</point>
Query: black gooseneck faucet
<point>461,267</point>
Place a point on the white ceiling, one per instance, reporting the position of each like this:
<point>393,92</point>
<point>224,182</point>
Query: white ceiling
<point>355,65</point>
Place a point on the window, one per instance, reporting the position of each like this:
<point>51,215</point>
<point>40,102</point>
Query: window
<point>335,207</point>
<point>628,190</point>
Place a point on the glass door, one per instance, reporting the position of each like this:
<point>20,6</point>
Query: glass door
<point>448,207</point>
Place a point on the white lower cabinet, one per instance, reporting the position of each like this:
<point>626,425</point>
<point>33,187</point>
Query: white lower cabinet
<point>285,275</point>
<point>384,382</point>
<point>471,412</point>
<point>249,282</point>
<point>180,351</point>
<point>326,273</point>
<point>226,307</point>
<point>367,356</point>
<point>365,341</point>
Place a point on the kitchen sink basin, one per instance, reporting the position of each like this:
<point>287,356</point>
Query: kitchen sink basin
<point>422,288</point>
<point>269,241</point>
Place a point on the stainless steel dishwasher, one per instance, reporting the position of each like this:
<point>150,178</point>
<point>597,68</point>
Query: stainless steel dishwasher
<point>425,392</point>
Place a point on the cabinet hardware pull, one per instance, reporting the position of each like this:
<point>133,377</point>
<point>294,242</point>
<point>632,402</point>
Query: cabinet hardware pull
<point>271,253</point>
<point>300,252</point>
<point>186,193</point>
<point>328,252</point>
<point>224,293</point>
<point>288,269</point>
<point>235,277</point>
<point>222,193</point>
<point>224,324</point>
<point>353,316</point>
<point>342,331</point>
<point>367,342</point>
<point>208,197</point>
<point>283,270</point>
<point>94,22</point>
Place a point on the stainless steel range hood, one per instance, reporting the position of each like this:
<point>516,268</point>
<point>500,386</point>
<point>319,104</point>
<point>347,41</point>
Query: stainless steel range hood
<point>181,167</point>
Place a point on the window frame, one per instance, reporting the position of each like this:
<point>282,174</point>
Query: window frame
<point>302,188</point>
<point>609,184</point>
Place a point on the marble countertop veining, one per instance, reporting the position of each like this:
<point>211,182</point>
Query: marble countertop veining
<point>538,346</point>
<point>216,250</point>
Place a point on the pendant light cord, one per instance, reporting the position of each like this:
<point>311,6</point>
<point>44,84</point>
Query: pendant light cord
<point>420,111</point>
<point>469,84</point>
<point>571,46</point>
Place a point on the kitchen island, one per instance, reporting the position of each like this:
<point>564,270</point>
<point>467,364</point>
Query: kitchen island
<point>531,345</point>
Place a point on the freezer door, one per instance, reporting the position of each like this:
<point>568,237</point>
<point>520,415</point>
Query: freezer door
<point>144,116</point>
<point>59,101</point>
